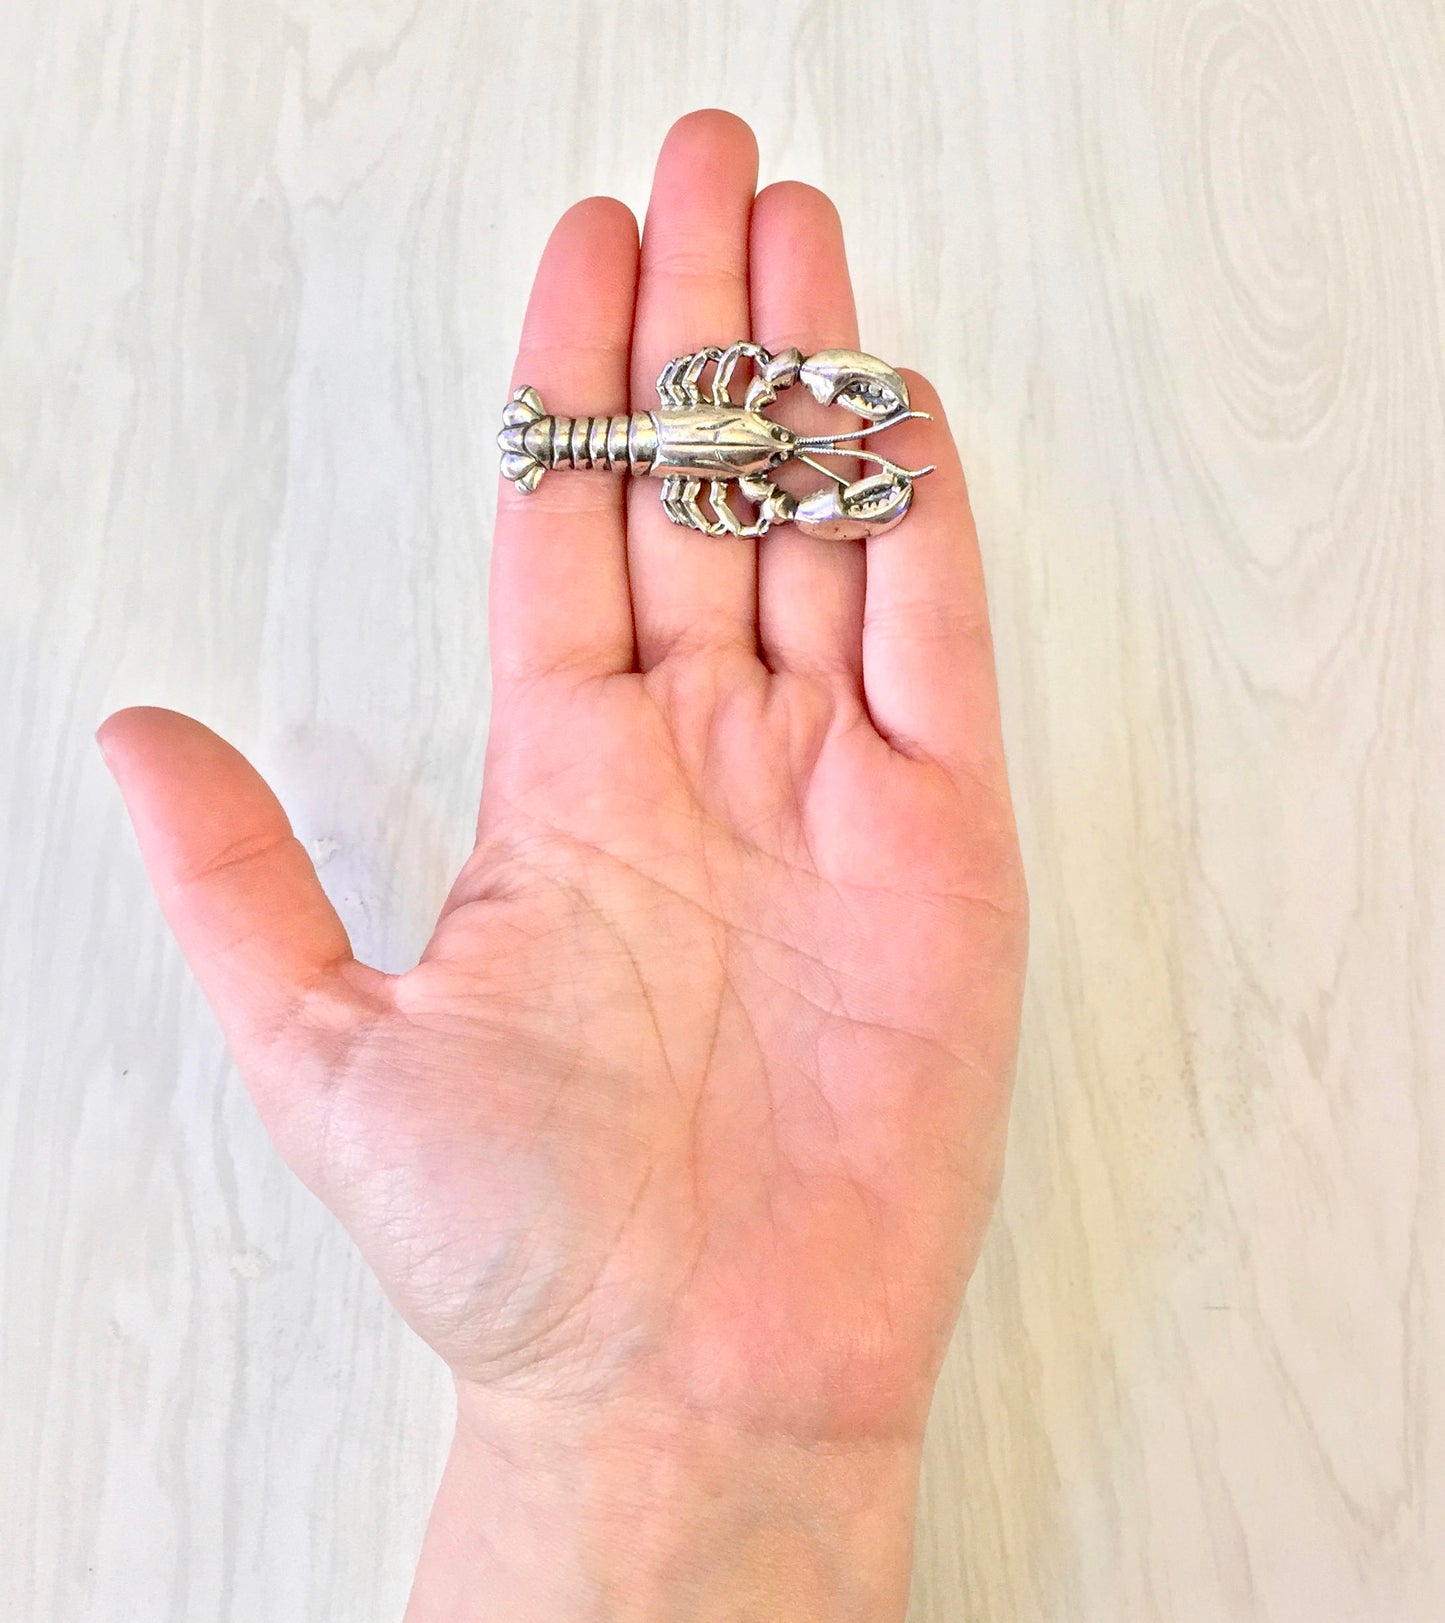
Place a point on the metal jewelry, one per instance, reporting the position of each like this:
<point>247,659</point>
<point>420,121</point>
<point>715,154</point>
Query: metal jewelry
<point>698,435</point>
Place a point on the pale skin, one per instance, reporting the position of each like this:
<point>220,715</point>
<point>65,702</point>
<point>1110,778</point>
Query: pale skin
<point>679,1142</point>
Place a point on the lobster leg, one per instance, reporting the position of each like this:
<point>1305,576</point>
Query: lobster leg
<point>667,391</point>
<point>692,372</point>
<point>718,494</point>
<point>669,493</point>
<point>727,365</point>
<point>691,490</point>
<point>681,502</point>
<point>774,505</point>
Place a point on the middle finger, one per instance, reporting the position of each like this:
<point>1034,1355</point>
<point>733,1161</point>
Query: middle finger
<point>691,592</point>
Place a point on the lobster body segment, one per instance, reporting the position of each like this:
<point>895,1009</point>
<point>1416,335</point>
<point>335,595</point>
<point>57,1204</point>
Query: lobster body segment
<point>700,436</point>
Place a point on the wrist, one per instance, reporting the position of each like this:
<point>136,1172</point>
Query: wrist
<point>633,1515</point>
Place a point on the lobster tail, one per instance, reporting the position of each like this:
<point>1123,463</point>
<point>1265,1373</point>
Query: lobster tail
<point>523,463</point>
<point>533,440</point>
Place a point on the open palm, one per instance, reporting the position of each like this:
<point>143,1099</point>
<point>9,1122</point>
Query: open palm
<point>698,1093</point>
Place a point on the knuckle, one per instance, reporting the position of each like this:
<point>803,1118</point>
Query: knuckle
<point>694,262</point>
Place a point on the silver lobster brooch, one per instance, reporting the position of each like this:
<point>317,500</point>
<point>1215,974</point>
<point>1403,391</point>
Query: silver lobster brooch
<point>698,435</point>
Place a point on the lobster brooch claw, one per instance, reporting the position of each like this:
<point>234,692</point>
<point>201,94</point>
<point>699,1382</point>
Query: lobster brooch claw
<point>698,437</point>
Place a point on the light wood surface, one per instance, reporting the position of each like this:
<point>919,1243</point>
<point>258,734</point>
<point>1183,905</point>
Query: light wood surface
<point>1177,269</point>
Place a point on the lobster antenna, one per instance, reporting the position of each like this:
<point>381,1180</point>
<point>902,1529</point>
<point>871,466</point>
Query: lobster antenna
<point>824,442</point>
<point>837,478</point>
<point>864,456</point>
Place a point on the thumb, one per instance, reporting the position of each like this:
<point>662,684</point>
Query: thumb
<point>238,890</point>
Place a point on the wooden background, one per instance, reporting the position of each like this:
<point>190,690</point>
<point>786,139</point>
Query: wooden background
<point>1177,267</point>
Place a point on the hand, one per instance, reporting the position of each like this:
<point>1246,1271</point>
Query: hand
<point>680,1140</point>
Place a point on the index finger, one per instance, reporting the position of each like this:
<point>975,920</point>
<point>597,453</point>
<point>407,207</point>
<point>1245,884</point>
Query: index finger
<point>559,595</point>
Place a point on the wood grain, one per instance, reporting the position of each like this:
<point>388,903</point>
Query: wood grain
<point>1177,267</point>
